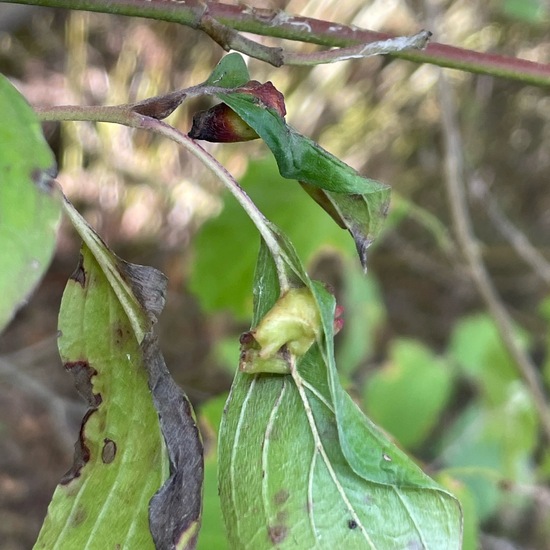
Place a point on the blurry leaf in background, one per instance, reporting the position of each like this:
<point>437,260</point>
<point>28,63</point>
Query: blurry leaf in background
<point>364,314</point>
<point>30,206</point>
<point>488,444</point>
<point>477,349</point>
<point>528,11</point>
<point>223,268</point>
<point>497,434</point>
<point>544,309</point>
<point>212,534</point>
<point>462,492</point>
<point>477,459</point>
<point>407,396</point>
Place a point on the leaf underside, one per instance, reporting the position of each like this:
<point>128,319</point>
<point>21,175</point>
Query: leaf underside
<point>316,472</point>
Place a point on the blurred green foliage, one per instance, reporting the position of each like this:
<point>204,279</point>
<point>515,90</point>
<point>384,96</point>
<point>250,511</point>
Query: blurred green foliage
<point>225,249</point>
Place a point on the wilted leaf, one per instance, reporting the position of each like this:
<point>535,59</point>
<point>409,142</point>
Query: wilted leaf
<point>30,203</point>
<point>137,477</point>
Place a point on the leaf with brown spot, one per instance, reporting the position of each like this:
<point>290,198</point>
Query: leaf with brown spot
<point>138,470</point>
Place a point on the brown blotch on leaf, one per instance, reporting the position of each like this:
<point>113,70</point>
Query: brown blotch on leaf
<point>81,453</point>
<point>109,451</point>
<point>83,372</point>
<point>221,124</point>
<point>120,334</point>
<point>277,533</point>
<point>281,497</point>
<point>79,274</point>
<point>78,517</point>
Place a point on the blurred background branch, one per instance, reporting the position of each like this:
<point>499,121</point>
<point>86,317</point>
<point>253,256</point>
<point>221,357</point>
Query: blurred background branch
<point>220,21</point>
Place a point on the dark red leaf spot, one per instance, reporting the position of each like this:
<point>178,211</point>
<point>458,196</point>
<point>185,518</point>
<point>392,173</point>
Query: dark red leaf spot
<point>277,533</point>
<point>281,497</point>
<point>81,452</point>
<point>221,124</point>
<point>109,451</point>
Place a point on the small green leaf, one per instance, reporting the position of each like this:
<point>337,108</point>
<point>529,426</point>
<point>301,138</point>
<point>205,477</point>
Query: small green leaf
<point>408,394</point>
<point>30,203</point>
<point>230,72</point>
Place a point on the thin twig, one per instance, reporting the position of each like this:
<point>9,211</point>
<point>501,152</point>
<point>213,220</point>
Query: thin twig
<point>519,241</point>
<point>127,116</point>
<point>279,24</point>
<point>454,181</point>
<point>380,47</point>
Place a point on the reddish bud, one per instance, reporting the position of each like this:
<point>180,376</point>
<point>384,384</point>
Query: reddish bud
<point>222,125</point>
<point>267,95</point>
<point>338,320</point>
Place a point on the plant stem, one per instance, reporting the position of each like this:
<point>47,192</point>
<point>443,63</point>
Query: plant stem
<point>454,181</point>
<point>220,21</point>
<point>124,115</point>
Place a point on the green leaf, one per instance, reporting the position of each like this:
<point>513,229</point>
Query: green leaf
<point>477,348</point>
<point>360,202</point>
<point>364,315</point>
<point>470,540</point>
<point>317,473</point>
<point>357,203</point>
<point>230,72</point>
<point>121,459</point>
<point>408,394</point>
<point>30,203</point>
<point>136,480</point>
<point>212,535</point>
